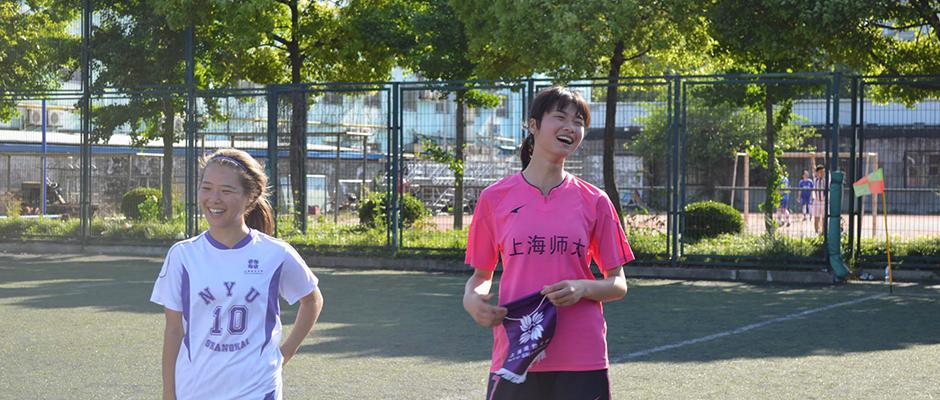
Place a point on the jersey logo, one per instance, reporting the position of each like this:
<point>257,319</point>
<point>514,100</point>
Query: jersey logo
<point>253,267</point>
<point>516,210</point>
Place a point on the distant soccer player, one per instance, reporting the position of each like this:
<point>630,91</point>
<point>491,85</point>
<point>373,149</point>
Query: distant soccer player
<point>806,191</point>
<point>818,206</point>
<point>547,225</point>
<point>220,292</point>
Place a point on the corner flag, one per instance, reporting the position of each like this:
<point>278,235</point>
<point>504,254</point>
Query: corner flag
<point>874,183</point>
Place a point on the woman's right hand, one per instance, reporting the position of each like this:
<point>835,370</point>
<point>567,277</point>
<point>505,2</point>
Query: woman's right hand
<point>482,311</point>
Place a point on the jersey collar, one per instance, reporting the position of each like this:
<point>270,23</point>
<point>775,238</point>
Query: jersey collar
<point>241,243</point>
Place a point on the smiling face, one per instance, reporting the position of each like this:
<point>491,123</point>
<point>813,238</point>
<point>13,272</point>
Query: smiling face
<point>222,198</point>
<point>559,134</point>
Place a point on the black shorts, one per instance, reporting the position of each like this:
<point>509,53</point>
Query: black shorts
<point>559,385</point>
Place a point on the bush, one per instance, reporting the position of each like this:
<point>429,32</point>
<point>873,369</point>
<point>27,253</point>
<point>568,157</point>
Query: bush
<point>708,219</point>
<point>372,211</point>
<point>27,228</point>
<point>758,246</point>
<point>130,203</point>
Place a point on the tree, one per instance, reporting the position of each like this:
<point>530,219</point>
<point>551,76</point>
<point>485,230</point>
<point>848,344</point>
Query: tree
<point>714,134</point>
<point>440,53</point>
<point>761,36</point>
<point>134,46</point>
<point>36,50</point>
<point>875,37</point>
<point>517,38</point>
<point>296,42</point>
<point>880,36</point>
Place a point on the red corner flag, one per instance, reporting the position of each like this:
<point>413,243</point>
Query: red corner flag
<point>874,183</point>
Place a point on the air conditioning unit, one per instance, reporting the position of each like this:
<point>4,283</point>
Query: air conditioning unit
<point>32,118</point>
<point>54,118</point>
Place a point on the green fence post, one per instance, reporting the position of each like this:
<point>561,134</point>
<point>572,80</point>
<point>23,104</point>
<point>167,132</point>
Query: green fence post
<point>392,211</point>
<point>833,242</point>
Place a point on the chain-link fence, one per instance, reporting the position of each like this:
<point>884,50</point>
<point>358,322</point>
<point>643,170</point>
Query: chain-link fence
<point>375,165</point>
<point>897,130</point>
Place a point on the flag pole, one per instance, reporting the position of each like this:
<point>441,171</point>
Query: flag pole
<point>884,205</point>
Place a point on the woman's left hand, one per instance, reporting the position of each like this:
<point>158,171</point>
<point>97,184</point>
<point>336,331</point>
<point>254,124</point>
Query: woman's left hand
<point>565,293</point>
<point>287,356</point>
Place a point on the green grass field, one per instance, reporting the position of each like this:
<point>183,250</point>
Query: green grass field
<point>81,327</point>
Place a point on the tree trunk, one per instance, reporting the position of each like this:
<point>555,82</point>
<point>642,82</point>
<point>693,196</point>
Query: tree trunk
<point>773,181</point>
<point>461,138</point>
<point>169,137</point>
<point>298,124</point>
<point>298,154</point>
<point>610,119</point>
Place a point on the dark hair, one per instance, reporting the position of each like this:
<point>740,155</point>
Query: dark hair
<point>550,99</point>
<point>819,167</point>
<point>260,215</point>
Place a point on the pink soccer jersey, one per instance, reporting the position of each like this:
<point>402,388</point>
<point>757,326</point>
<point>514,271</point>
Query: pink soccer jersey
<point>542,240</point>
<point>231,313</point>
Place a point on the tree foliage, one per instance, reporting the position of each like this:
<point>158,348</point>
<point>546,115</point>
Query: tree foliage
<point>37,52</point>
<point>134,46</point>
<point>714,134</point>
<point>569,40</point>
<point>440,52</point>
<point>297,42</point>
<point>758,36</point>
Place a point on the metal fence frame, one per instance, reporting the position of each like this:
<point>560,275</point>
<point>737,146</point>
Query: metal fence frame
<point>677,90</point>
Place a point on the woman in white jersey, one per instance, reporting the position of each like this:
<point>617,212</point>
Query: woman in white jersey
<point>546,226</point>
<point>220,292</point>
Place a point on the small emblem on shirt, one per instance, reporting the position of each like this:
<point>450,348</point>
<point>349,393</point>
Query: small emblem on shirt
<point>253,267</point>
<point>516,210</point>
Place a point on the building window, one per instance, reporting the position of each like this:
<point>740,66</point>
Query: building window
<point>374,100</point>
<point>442,107</point>
<point>333,98</point>
<point>922,169</point>
<point>502,110</point>
<point>409,100</point>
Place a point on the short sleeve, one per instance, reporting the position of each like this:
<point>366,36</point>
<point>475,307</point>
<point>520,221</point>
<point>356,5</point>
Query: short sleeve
<point>609,246</point>
<point>168,289</point>
<point>297,280</point>
<point>482,248</point>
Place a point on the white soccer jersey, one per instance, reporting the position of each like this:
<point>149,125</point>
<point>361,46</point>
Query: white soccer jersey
<point>231,313</point>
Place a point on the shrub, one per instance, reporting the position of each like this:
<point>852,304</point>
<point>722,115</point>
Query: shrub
<point>707,219</point>
<point>372,211</point>
<point>130,203</point>
<point>23,228</point>
<point>647,241</point>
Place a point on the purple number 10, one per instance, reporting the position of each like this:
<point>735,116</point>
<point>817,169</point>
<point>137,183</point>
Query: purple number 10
<point>236,321</point>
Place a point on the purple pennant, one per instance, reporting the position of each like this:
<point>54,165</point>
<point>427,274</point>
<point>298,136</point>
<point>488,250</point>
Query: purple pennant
<point>529,325</point>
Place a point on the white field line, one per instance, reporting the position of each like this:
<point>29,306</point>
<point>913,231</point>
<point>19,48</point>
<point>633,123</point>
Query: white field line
<point>643,353</point>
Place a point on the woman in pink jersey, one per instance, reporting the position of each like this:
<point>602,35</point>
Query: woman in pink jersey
<point>220,292</point>
<point>546,226</point>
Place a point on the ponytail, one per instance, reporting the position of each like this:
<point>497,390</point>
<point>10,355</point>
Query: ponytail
<point>261,217</point>
<point>525,153</point>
